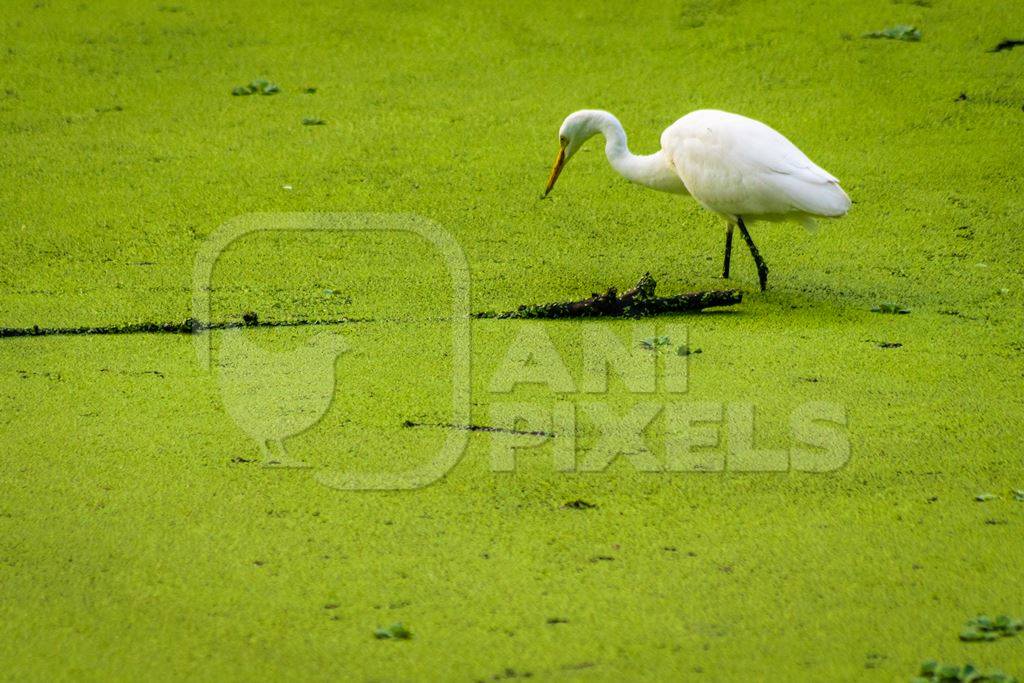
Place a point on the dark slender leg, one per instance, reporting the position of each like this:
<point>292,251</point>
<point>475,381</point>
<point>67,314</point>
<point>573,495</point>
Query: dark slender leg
<point>728,251</point>
<point>762,268</point>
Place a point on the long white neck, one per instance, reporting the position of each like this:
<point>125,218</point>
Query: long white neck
<point>651,170</point>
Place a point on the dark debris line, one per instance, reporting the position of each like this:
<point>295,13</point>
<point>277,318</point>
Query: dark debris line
<point>638,301</point>
<point>187,326</point>
<point>635,302</point>
<point>476,428</point>
<point>1007,44</point>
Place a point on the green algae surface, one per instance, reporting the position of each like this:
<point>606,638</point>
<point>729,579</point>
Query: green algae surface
<point>140,533</point>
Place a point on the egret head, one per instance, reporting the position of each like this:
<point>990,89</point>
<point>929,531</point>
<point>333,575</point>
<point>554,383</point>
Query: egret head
<point>577,128</point>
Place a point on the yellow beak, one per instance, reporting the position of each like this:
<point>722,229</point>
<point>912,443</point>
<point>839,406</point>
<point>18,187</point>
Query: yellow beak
<point>555,170</point>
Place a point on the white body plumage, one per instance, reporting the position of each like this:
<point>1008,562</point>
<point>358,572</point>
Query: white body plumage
<point>736,167</point>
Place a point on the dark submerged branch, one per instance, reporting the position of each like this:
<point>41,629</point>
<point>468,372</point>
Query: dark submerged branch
<point>636,302</point>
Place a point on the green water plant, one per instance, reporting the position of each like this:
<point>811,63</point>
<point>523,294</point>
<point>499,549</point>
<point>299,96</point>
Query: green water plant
<point>654,343</point>
<point>891,308</point>
<point>257,87</point>
<point>899,32</point>
<point>983,628</point>
<point>934,672</point>
<point>395,631</point>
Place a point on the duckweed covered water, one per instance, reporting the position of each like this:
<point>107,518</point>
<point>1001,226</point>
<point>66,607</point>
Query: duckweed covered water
<point>139,532</point>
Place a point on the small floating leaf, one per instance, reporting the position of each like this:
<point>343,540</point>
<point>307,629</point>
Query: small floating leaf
<point>985,497</point>
<point>982,628</point>
<point>393,632</point>
<point>891,308</point>
<point>898,32</point>
<point>313,121</point>
<point>258,86</point>
<point>655,342</point>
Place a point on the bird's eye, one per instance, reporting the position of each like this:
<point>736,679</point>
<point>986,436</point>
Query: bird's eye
<point>564,140</point>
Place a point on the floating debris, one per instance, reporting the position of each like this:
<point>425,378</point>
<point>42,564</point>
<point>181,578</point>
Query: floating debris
<point>636,302</point>
<point>1007,44</point>
<point>579,504</point>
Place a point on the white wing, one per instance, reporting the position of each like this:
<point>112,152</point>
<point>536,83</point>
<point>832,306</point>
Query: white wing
<point>737,166</point>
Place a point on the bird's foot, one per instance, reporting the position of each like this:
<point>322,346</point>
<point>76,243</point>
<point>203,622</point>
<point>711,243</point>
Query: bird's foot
<point>762,276</point>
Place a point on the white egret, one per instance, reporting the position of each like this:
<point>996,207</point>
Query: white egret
<point>736,167</point>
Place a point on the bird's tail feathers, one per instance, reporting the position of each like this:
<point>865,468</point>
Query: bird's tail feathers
<point>826,200</point>
<point>834,202</point>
